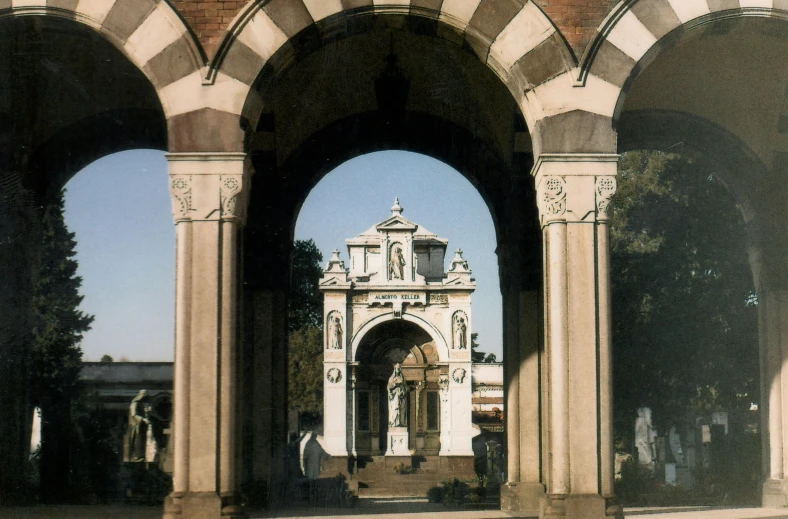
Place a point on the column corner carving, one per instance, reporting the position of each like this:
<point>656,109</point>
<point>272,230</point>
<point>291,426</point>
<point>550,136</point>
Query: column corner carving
<point>209,186</point>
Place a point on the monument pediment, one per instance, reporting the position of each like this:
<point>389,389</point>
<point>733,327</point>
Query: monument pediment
<point>396,223</point>
<point>459,281</point>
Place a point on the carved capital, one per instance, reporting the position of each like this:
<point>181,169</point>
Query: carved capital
<point>605,189</point>
<point>552,198</point>
<point>209,186</point>
<point>574,187</point>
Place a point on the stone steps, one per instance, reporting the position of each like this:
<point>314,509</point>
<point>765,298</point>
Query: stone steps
<point>376,476</point>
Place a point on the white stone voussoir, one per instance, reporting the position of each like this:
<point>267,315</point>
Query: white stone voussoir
<point>528,28</point>
<point>28,3</point>
<point>159,30</point>
<point>560,95</point>
<point>93,12</point>
<point>631,36</point>
<point>188,94</point>
<point>688,10</point>
<point>458,12</point>
<point>262,35</point>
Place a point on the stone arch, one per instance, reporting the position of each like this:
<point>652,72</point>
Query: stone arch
<point>635,33</point>
<point>519,43</point>
<point>149,32</point>
<point>577,112</point>
<point>437,337</point>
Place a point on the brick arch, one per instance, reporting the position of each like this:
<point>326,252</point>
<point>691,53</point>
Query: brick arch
<point>149,32</point>
<point>516,40</point>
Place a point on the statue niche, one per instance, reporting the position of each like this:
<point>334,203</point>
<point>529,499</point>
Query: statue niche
<point>334,331</point>
<point>396,262</point>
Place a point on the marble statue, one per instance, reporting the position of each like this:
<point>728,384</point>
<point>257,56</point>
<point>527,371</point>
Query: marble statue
<point>138,427</point>
<point>460,332</point>
<point>644,438</point>
<point>396,263</point>
<point>674,439</point>
<point>335,332</point>
<point>397,397</point>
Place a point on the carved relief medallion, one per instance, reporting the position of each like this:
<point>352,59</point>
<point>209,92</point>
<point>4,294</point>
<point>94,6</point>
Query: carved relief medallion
<point>334,375</point>
<point>458,375</point>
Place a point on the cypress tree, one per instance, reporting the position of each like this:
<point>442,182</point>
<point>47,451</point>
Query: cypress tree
<point>57,357</point>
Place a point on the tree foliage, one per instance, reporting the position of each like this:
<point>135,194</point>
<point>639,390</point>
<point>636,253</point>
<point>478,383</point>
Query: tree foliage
<point>480,356</point>
<point>305,303</point>
<point>57,357</point>
<point>305,365</point>
<point>305,325</point>
<point>684,307</point>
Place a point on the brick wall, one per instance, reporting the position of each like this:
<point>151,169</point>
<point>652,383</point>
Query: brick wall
<point>208,19</point>
<point>577,19</point>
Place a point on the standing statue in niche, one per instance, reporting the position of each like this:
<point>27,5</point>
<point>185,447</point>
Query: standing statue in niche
<point>398,392</point>
<point>334,332</point>
<point>138,427</point>
<point>396,263</point>
<point>460,332</point>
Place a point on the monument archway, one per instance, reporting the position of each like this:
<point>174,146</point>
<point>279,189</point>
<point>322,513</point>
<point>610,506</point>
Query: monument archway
<point>381,348</point>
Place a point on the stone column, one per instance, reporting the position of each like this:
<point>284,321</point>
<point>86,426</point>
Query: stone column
<point>769,264</point>
<point>574,193</point>
<point>209,201</point>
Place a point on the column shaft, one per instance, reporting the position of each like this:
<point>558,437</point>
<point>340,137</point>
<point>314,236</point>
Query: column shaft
<point>208,205</point>
<point>557,341</point>
<point>574,192</point>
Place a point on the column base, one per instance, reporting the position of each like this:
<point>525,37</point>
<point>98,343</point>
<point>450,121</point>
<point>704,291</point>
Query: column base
<point>775,493</point>
<point>523,499</point>
<point>203,505</point>
<point>581,507</point>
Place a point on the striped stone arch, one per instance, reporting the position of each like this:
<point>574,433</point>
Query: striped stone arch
<point>516,40</point>
<point>149,32</point>
<point>635,33</point>
<point>576,112</point>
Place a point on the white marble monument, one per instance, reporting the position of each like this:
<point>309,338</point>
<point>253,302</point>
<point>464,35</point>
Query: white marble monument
<point>397,359</point>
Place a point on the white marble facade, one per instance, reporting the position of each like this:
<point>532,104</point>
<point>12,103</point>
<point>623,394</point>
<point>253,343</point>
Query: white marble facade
<point>395,304</point>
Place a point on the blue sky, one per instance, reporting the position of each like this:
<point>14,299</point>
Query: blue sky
<point>119,208</point>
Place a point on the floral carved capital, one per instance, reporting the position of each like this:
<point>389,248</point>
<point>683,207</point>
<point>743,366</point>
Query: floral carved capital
<point>605,189</point>
<point>181,192</point>
<point>552,199</point>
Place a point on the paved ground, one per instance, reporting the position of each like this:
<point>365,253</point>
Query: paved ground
<point>372,508</point>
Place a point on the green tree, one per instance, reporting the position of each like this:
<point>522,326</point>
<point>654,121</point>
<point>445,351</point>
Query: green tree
<point>480,356</point>
<point>57,357</point>
<point>305,366</point>
<point>305,325</point>
<point>305,303</point>
<point>684,308</point>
